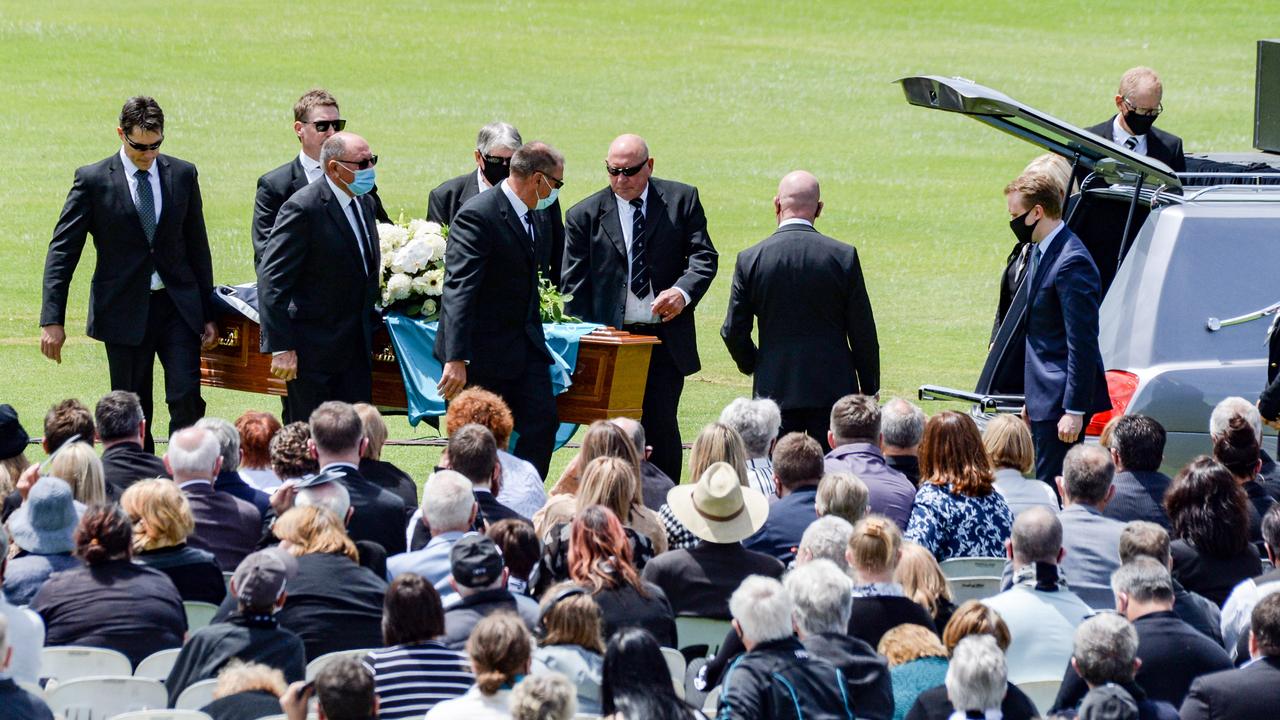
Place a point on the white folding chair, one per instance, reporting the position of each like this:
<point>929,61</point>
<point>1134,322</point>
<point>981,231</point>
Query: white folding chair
<point>199,614</point>
<point>316,665</point>
<point>676,666</point>
<point>973,588</point>
<point>702,631</point>
<point>163,715</point>
<point>68,662</point>
<point>966,567</point>
<point>157,665</point>
<point>1041,692</point>
<point>711,702</point>
<point>99,698</point>
<point>196,696</point>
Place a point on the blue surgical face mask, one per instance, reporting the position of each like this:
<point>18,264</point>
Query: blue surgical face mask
<point>363,181</point>
<point>548,201</point>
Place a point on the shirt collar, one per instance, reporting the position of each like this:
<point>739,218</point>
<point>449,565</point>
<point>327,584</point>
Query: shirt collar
<point>343,198</point>
<point>310,168</point>
<point>516,203</point>
<point>877,589</point>
<point>644,198</point>
<point>339,464</point>
<point>1043,246</point>
<point>1119,134</point>
<point>795,221</point>
<point>761,463</point>
<point>192,483</point>
<point>130,168</point>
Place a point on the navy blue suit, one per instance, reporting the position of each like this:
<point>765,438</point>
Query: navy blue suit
<point>1063,366</point>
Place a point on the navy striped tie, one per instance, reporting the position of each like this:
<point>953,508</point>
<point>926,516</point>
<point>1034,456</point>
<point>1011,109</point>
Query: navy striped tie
<point>146,205</point>
<point>641,285</point>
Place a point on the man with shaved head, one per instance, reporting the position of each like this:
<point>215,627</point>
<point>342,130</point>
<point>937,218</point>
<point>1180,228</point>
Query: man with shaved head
<point>637,256</point>
<point>817,337</point>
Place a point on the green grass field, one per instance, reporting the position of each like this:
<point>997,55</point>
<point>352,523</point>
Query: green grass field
<point>730,95</point>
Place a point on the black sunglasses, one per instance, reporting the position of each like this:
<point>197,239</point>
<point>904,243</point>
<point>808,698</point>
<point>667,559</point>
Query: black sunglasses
<point>324,125</point>
<point>616,171</point>
<point>497,160</point>
<point>558,182</point>
<point>140,147</point>
<point>361,164</point>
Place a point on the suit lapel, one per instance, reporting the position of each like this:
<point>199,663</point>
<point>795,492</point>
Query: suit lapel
<point>1050,257</point>
<point>656,223</point>
<point>513,222</point>
<point>124,200</point>
<point>166,191</point>
<point>298,179</point>
<point>612,223</point>
<point>339,216</point>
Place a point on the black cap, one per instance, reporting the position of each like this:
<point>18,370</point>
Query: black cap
<point>475,561</point>
<point>13,438</point>
<point>1108,702</point>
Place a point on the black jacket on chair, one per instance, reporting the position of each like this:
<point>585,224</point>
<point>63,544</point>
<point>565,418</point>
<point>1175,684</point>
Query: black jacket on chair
<point>1163,146</point>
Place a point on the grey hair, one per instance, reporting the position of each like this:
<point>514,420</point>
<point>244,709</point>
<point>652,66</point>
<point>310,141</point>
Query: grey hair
<point>332,149</point>
<point>447,500</point>
<point>332,496</point>
<point>228,440</point>
<point>1037,536</point>
<point>977,678</point>
<point>757,421</point>
<point>826,539</point>
<point>536,157</point>
<point>498,134</point>
<point>762,608</point>
<point>1230,407</point>
<point>901,423</point>
<point>545,696</point>
<point>1087,472</point>
<point>843,495</point>
<point>193,451</point>
<point>1104,649</point>
<point>1143,579</point>
<point>822,597</point>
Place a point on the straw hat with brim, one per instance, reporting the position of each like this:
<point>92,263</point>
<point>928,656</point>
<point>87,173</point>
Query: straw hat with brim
<point>46,523</point>
<point>719,508</point>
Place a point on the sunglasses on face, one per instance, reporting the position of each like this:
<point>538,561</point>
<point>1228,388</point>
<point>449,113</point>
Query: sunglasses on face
<point>140,147</point>
<point>324,125</point>
<point>1146,112</point>
<point>629,171</point>
<point>555,182</point>
<point>362,164</point>
<point>506,161</point>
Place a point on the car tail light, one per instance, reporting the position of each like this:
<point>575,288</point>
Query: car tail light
<point>1121,386</point>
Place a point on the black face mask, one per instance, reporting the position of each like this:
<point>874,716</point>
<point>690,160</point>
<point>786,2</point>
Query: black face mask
<point>1139,124</point>
<point>495,171</point>
<point>1021,229</point>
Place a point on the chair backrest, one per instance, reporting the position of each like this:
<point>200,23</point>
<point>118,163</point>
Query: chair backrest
<point>98,698</point>
<point>702,631</point>
<point>196,696</point>
<point>316,665</point>
<point>973,566</point>
<point>33,688</point>
<point>712,700</point>
<point>676,666</point>
<point>164,715</point>
<point>199,614</point>
<point>157,665</point>
<point>1041,692</point>
<point>973,588</point>
<point>68,662</point>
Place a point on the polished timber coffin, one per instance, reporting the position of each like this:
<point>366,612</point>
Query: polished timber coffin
<point>608,381</point>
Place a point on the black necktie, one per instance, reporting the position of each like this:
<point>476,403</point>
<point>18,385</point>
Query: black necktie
<point>641,285</point>
<point>528,223</point>
<point>146,205</point>
<point>1131,142</point>
<point>363,237</point>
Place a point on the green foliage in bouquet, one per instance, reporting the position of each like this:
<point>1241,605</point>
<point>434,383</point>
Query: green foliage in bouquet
<point>551,303</point>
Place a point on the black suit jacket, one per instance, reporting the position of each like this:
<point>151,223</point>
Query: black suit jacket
<point>313,293</point>
<point>99,204</point>
<point>448,198</point>
<point>492,511</point>
<point>1251,693</point>
<point>489,313</point>
<point>127,463</point>
<point>680,253</point>
<point>226,526</point>
<point>1163,146</point>
<point>1269,400</point>
<point>379,514</point>
<point>817,333</point>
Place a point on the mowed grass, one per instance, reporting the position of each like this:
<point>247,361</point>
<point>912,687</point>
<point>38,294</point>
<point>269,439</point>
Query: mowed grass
<point>730,95</point>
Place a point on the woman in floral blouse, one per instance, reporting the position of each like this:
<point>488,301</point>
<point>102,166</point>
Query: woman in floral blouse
<point>957,512</point>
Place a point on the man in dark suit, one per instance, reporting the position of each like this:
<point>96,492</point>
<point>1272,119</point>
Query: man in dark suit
<point>474,454</point>
<point>318,282</point>
<point>495,145</point>
<point>1253,691</point>
<point>817,334</point>
<point>490,324</point>
<point>638,257</point>
<point>1137,107</point>
<point>1137,449</point>
<point>121,429</point>
<point>226,526</point>
<point>337,439</point>
<point>1063,374</point>
<point>151,289</point>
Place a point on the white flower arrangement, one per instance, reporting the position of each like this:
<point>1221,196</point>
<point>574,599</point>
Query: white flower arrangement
<point>412,266</point>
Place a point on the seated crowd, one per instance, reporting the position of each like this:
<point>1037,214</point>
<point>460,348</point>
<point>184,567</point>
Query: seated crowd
<point>809,583</point>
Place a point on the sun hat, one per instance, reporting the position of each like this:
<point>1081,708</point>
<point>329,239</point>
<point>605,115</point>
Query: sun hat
<point>719,508</point>
<point>46,523</point>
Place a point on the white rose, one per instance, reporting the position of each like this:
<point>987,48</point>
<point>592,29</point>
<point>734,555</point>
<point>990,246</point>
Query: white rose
<point>391,238</point>
<point>398,286</point>
<point>434,281</point>
<point>429,308</point>
<point>413,257</point>
<point>420,285</point>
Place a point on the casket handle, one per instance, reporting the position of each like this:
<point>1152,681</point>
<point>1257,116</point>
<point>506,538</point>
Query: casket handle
<point>230,337</point>
<point>387,354</point>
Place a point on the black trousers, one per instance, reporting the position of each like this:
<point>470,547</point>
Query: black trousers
<point>660,412</point>
<point>533,408</point>
<point>312,387</point>
<point>171,339</point>
<point>814,422</point>
<point>1050,451</point>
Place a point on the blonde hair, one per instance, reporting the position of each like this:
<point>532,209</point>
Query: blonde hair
<point>908,642</point>
<point>11,469</point>
<point>375,429</point>
<point>875,544</point>
<point>974,618</point>
<point>500,648</point>
<point>921,578</point>
<point>314,530</point>
<point>81,468</point>
<point>1134,79</point>
<point>574,620</point>
<point>843,495</point>
<point>718,443</point>
<point>160,514</point>
<point>549,696</point>
<point>238,676</point>
<point>608,481</point>
<point>1008,442</point>
<point>1053,165</point>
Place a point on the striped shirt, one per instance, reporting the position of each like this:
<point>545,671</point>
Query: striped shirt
<point>760,476</point>
<point>411,679</point>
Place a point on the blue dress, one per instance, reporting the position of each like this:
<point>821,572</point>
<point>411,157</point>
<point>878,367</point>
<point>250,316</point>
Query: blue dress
<point>912,678</point>
<point>951,524</point>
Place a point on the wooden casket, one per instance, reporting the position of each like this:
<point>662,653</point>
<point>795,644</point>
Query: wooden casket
<point>608,380</point>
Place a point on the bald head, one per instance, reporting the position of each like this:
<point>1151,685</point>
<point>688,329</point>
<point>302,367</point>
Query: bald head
<point>194,454</point>
<point>798,197</point>
<point>629,153</point>
<point>632,146</point>
<point>341,155</point>
<point>634,430</point>
<point>1037,537</point>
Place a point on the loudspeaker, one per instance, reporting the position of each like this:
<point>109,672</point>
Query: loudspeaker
<point>1266,107</point>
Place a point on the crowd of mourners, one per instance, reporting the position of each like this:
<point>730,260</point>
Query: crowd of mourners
<point>810,576</point>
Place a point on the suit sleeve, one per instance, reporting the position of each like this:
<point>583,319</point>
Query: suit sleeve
<point>1269,400</point>
<point>739,320</point>
<point>64,250</point>
<point>575,279</point>
<point>860,329</point>
<point>197,239</point>
<point>466,256</point>
<point>1078,290</point>
<point>1196,704</point>
<point>557,242</point>
<point>703,260</point>
<point>379,212</point>
<point>266,207</point>
<point>282,261</point>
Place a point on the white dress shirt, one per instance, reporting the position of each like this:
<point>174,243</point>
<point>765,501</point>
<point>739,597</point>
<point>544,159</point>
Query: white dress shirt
<point>354,218</point>
<point>522,211</point>
<point>795,221</point>
<point>153,178</point>
<point>481,183</point>
<point>310,167</point>
<point>637,309</point>
<point>1119,135</point>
